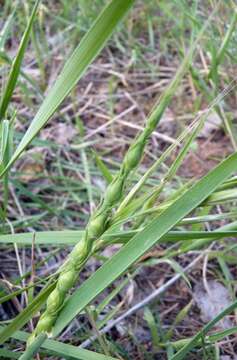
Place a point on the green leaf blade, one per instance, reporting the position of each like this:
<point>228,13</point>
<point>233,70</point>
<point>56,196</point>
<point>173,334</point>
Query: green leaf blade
<point>16,64</point>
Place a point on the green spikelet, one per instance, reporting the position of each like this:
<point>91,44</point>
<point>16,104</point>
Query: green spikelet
<point>114,191</point>
<point>134,155</point>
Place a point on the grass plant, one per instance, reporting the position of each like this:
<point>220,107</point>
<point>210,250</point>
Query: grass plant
<point>137,210</point>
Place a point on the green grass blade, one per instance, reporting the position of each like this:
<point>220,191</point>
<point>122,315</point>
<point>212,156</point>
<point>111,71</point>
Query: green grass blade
<point>83,55</point>
<point>5,153</point>
<point>44,237</point>
<point>71,237</point>
<point>4,141</point>
<point>16,65</point>
<point>202,242</point>
<point>143,241</point>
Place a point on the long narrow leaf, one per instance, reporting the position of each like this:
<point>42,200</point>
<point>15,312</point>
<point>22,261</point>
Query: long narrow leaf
<point>16,65</point>
<point>70,237</point>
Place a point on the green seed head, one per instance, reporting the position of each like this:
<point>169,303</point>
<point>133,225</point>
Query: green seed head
<point>114,192</point>
<point>76,253</point>
<point>77,257</point>
<point>97,225</point>
<point>133,156</point>
<point>54,301</point>
<point>45,323</point>
<point>66,281</point>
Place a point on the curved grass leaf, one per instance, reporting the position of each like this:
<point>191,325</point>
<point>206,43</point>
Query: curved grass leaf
<point>16,64</point>
<point>83,55</point>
